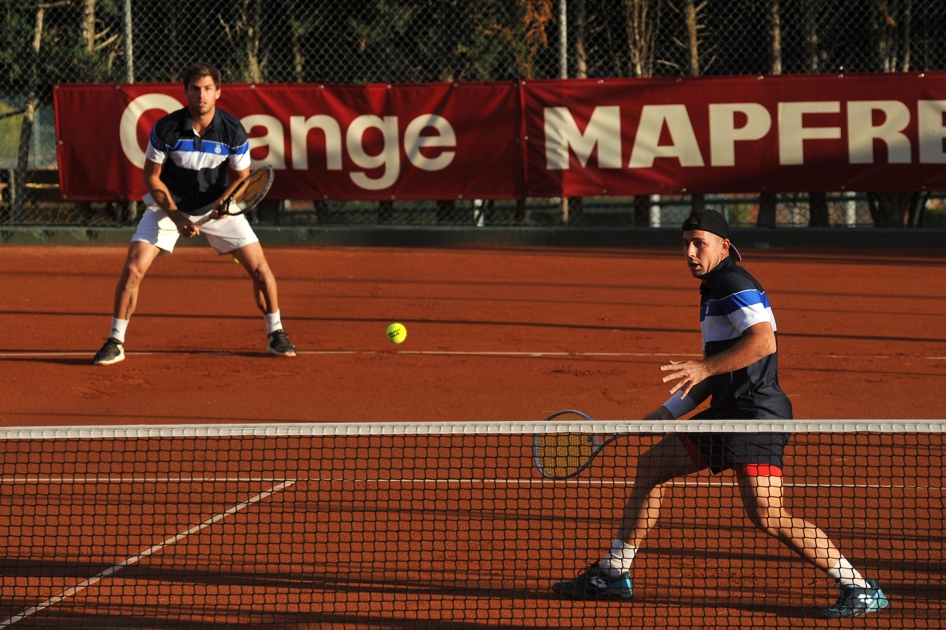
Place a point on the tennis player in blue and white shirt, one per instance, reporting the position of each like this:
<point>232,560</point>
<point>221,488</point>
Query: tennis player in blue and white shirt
<point>740,371</point>
<point>191,156</point>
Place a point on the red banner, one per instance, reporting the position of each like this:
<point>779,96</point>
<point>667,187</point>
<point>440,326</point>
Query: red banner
<point>429,141</point>
<point>736,134</point>
<point>538,138</point>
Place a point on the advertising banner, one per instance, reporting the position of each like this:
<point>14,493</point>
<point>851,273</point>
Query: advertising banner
<point>593,137</point>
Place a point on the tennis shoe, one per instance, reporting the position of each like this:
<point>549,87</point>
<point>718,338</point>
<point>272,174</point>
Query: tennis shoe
<point>111,352</point>
<point>280,345</point>
<point>596,583</point>
<point>856,601</point>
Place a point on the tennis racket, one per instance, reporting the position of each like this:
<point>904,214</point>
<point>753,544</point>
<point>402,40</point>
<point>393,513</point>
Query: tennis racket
<point>246,195</point>
<point>564,455</point>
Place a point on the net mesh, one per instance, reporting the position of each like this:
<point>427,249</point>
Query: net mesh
<point>444,525</point>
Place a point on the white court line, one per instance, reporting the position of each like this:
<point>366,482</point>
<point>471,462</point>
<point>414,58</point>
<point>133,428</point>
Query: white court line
<point>69,592</point>
<point>112,480</point>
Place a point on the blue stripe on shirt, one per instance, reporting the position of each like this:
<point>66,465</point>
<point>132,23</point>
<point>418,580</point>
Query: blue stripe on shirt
<point>732,303</point>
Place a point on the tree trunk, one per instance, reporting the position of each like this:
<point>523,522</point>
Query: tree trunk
<point>643,18</point>
<point>581,58</point>
<point>691,15</point>
<point>246,38</point>
<point>88,25</point>
<point>575,205</point>
<point>776,34</point>
<point>693,39</point>
<point>811,22</point>
<point>890,209</point>
<point>818,215</point>
<point>907,19</point>
<point>26,128</point>
<point>768,202</point>
<point>253,39</point>
<point>817,201</point>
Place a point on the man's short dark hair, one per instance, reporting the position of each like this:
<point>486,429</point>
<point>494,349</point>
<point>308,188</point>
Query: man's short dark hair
<point>200,70</point>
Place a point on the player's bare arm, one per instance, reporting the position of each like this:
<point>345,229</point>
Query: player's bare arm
<point>162,196</point>
<point>698,393</point>
<point>757,342</point>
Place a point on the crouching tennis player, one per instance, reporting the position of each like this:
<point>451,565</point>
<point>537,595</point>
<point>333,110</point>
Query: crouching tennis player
<point>186,175</point>
<point>740,371</point>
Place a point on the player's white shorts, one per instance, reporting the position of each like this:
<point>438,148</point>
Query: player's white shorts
<point>224,235</point>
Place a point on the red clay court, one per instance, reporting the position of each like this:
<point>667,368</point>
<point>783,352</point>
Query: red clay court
<point>444,531</point>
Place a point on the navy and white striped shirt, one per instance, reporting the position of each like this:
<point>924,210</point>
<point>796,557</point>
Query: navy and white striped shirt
<point>732,301</point>
<point>195,167</point>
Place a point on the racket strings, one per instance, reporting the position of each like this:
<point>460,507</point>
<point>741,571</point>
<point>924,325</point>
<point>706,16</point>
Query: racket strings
<point>255,187</point>
<point>562,454</point>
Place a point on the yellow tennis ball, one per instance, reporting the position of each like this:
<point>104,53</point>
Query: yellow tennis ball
<point>396,333</point>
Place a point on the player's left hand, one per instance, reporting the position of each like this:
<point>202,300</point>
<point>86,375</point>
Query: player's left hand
<point>689,374</point>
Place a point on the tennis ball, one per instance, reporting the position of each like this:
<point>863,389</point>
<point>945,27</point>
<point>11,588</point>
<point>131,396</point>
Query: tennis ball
<point>396,333</point>
<point>235,259</point>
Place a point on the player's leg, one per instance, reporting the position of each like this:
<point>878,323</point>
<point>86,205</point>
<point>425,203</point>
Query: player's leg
<point>140,257</point>
<point>761,490</point>
<point>234,236</point>
<point>670,458</point>
<point>264,292</point>
<point>155,233</point>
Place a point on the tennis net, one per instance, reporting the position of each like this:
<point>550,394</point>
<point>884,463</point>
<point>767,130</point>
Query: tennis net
<point>435,525</point>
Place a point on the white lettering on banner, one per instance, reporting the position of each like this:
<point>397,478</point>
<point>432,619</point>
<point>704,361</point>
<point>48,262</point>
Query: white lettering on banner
<point>417,145</point>
<point>861,131</point>
<point>273,140</point>
<point>603,130</point>
<point>128,126</point>
<point>389,158</point>
<point>414,141</point>
<point>684,146</point>
<point>724,133</point>
<point>792,132</point>
<point>299,127</point>
<point>932,131</point>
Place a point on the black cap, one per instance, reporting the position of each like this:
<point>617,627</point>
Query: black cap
<point>714,223</point>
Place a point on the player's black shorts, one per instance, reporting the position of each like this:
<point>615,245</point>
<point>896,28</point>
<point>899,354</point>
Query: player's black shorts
<point>722,451</point>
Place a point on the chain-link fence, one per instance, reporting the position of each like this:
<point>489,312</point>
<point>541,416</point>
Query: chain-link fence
<point>366,41</point>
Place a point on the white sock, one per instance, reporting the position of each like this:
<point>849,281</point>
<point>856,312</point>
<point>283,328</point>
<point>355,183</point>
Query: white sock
<point>619,559</point>
<point>844,573</point>
<point>273,322</point>
<point>118,329</point>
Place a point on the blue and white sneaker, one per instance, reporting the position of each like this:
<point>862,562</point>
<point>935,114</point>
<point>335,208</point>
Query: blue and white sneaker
<point>856,601</point>
<point>596,583</point>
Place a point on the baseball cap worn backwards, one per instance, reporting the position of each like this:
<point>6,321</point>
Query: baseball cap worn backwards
<point>714,223</point>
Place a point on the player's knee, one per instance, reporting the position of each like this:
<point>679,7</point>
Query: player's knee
<point>767,521</point>
<point>132,275</point>
<point>262,274</point>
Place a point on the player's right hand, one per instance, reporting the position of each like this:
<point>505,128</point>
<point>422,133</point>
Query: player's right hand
<point>185,226</point>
